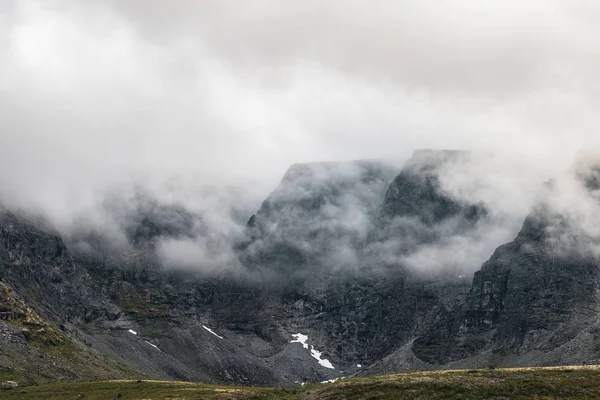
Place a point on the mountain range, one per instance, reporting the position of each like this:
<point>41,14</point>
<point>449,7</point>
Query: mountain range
<point>347,268</point>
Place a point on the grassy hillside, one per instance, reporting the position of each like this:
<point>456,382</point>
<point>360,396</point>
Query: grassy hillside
<point>518,383</point>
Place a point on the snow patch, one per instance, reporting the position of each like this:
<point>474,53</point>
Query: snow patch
<point>153,345</point>
<point>317,356</point>
<point>302,339</point>
<point>211,331</point>
<point>136,334</point>
<point>331,380</point>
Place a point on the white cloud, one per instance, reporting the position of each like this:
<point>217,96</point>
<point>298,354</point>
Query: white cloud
<point>104,93</point>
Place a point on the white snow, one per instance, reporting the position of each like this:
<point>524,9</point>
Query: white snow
<point>358,366</point>
<point>135,333</point>
<point>317,356</point>
<point>330,381</point>
<point>211,331</point>
<point>302,339</point>
<point>153,345</point>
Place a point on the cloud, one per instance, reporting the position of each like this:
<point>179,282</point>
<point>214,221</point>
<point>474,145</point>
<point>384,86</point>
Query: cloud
<point>570,211</point>
<point>97,95</point>
<point>448,211</point>
<point>207,255</point>
<point>319,216</point>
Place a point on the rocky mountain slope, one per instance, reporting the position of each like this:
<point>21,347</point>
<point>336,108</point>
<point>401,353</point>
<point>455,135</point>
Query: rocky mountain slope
<point>534,302</point>
<point>325,284</point>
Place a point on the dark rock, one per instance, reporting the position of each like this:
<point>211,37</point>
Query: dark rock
<point>9,385</point>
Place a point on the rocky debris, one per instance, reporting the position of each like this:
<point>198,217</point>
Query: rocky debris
<point>8,385</point>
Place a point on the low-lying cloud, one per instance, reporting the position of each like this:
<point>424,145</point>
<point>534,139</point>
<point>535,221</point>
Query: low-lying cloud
<point>176,97</point>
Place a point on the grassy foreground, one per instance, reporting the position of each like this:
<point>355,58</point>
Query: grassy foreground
<point>516,383</point>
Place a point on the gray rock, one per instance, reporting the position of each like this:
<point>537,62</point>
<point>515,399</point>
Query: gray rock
<point>9,385</point>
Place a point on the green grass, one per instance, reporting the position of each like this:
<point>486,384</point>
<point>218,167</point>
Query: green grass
<point>524,383</point>
<point>104,390</point>
<point>7,374</point>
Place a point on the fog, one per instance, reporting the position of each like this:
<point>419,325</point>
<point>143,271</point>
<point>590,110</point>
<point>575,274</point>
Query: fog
<point>206,104</point>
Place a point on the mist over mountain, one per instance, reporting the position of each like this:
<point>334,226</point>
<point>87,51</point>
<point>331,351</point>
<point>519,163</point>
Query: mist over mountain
<point>380,269</point>
<point>104,94</point>
<point>274,192</point>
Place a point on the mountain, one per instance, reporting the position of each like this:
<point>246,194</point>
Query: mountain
<point>41,290</point>
<point>534,302</point>
<point>317,218</point>
<point>346,268</point>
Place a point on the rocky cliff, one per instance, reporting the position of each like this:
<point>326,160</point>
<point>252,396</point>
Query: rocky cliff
<point>534,302</point>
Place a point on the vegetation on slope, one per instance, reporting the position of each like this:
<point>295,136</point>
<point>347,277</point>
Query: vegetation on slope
<point>518,383</point>
<point>40,352</point>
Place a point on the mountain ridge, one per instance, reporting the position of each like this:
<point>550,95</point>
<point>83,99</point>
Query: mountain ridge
<point>329,252</point>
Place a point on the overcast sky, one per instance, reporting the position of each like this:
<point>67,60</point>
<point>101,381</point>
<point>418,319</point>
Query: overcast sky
<point>97,92</point>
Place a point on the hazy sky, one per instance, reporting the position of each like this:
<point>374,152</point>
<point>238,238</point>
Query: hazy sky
<point>98,92</point>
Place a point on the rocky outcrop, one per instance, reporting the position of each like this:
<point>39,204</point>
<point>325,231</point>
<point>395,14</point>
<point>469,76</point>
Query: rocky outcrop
<point>534,302</point>
<point>416,191</point>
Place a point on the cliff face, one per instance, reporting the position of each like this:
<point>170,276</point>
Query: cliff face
<point>541,290</point>
<point>416,190</point>
<point>528,286</point>
<point>534,302</point>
